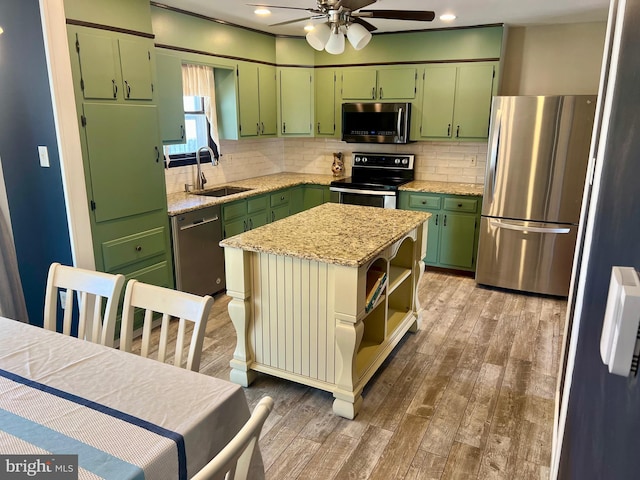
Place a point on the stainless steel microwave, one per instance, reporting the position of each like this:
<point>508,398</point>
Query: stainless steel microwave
<point>376,122</point>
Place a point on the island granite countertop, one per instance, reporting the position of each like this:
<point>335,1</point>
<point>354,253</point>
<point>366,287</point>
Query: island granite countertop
<point>183,202</point>
<point>339,234</point>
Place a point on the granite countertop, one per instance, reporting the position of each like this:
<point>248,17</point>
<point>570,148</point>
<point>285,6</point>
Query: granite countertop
<point>182,202</point>
<point>334,233</point>
<point>443,187</point>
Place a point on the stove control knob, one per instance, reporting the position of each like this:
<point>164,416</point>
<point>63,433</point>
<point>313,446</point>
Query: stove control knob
<point>405,161</point>
<point>364,159</point>
<point>397,161</point>
<point>356,160</point>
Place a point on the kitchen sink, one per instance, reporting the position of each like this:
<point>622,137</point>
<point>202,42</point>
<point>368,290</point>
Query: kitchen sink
<point>221,191</point>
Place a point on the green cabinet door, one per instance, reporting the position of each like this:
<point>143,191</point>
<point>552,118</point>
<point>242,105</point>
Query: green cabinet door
<point>473,101</point>
<point>296,199</point>
<point>235,227</point>
<point>280,212</point>
<point>124,156</point>
<point>170,104</point>
<point>268,104</point>
<point>437,102</point>
<point>359,84</point>
<point>296,101</point>
<point>457,240</point>
<point>314,195</point>
<point>397,84</point>
<point>257,220</point>
<point>433,238</point>
<point>248,100</point>
<point>135,60</point>
<point>325,80</point>
<point>98,62</point>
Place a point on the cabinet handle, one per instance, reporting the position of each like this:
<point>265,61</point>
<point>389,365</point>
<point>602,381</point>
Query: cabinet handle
<point>284,127</point>
<point>182,132</point>
<point>459,205</point>
<point>318,127</point>
<point>157,154</point>
<point>449,130</point>
<point>273,216</point>
<point>445,220</point>
<point>128,87</point>
<point>257,128</point>
<point>457,131</point>
<point>380,93</point>
<point>138,248</point>
<point>245,226</point>
<point>251,224</point>
<point>437,215</point>
<point>115,89</point>
<point>262,128</point>
<point>373,93</point>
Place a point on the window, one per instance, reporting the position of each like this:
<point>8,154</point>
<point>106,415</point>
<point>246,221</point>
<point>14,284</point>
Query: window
<point>196,129</point>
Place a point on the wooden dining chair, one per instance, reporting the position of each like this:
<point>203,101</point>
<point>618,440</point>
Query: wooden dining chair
<point>170,303</point>
<point>233,461</point>
<point>96,319</point>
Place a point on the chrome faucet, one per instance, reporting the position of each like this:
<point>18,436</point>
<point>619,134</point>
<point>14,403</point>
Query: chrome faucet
<point>200,178</point>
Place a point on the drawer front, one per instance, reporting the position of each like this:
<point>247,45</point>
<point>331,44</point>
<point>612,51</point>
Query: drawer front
<point>156,274</point>
<point>234,210</point>
<point>424,201</point>
<point>133,248</point>
<point>279,198</point>
<point>256,204</point>
<point>461,205</point>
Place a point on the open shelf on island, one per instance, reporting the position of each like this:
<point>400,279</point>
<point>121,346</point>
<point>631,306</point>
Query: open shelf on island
<point>397,275</point>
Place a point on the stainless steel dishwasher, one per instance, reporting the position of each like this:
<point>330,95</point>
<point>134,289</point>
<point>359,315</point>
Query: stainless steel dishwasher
<point>198,258</point>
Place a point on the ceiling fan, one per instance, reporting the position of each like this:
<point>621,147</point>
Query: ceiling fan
<point>345,17</point>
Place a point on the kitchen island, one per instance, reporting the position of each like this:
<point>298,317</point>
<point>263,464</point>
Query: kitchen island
<point>322,297</point>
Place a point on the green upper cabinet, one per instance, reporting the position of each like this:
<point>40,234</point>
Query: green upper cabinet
<point>268,103</point>
<point>114,69</point>
<point>379,84</point>
<point>325,80</point>
<point>170,105</point>
<point>125,162</point>
<point>296,101</point>
<point>456,101</point>
<point>135,60</point>
<point>256,99</point>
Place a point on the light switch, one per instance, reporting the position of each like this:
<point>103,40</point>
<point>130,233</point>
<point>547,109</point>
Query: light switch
<point>43,153</point>
<point>619,346</point>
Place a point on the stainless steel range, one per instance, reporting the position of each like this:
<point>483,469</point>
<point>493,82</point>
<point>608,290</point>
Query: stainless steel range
<point>375,178</point>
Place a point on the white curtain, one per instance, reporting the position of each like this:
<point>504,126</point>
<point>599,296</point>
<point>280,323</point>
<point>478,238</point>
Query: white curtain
<point>197,80</point>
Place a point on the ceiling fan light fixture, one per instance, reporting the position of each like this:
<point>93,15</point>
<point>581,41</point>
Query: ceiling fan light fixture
<point>358,36</point>
<point>319,36</point>
<point>335,45</point>
<point>262,11</point>
<point>447,17</point>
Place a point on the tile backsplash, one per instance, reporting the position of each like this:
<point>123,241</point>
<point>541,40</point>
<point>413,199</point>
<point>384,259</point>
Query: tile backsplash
<point>463,162</point>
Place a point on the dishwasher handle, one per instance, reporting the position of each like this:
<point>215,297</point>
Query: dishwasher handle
<point>197,223</point>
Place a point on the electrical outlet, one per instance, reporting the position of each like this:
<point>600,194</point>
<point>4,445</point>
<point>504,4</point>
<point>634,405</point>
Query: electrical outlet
<point>43,154</point>
<point>63,298</point>
<point>474,160</point>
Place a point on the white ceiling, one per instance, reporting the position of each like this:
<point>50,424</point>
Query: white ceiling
<point>468,12</point>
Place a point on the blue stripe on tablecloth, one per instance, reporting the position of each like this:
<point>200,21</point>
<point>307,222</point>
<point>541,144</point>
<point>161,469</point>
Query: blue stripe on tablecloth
<point>157,429</point>
<point>90,458</point>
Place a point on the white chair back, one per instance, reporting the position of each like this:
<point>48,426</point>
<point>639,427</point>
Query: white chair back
<point>170,303</point>
<point>92,289</point>
<point>232,463</point>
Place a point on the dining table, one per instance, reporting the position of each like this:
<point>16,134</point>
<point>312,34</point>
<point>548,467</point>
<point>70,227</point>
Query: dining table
<point>124,416</point>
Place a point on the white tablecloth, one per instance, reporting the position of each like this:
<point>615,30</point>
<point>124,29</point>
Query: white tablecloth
<point>125,416</point>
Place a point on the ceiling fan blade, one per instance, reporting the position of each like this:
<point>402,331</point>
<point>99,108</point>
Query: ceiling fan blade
<point>356,4</point>
<point>313,10</point>
<point>290,21</point>
<point>416,15</point>
<point>364,23</point>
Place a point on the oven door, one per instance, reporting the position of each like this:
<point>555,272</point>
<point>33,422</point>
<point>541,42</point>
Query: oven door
<point>367,198</point>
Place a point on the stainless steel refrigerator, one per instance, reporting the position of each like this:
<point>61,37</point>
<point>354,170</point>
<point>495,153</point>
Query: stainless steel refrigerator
<point>536,167</point>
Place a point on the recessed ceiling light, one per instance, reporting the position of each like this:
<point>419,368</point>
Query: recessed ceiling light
<point>447,17</point>
<point>262,11</point>
<point>308,28</point>
<point>1,30</point>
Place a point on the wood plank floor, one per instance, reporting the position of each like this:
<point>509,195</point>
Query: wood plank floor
<point>469,396</point>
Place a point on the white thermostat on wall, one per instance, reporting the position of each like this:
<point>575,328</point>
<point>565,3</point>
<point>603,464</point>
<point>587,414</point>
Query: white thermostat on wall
<point>619,345</point>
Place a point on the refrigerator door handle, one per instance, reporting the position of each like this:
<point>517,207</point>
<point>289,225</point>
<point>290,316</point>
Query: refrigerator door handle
<point>493,158</point>
<point>522,228</point>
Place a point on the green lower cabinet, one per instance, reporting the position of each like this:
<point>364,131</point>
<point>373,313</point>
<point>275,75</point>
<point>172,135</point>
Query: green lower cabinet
<point>452,238</point>
<point>315,195</point>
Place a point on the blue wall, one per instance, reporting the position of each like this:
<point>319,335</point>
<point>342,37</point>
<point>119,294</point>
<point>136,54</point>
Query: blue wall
<point>603,420</point>
<point>36,198</point>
